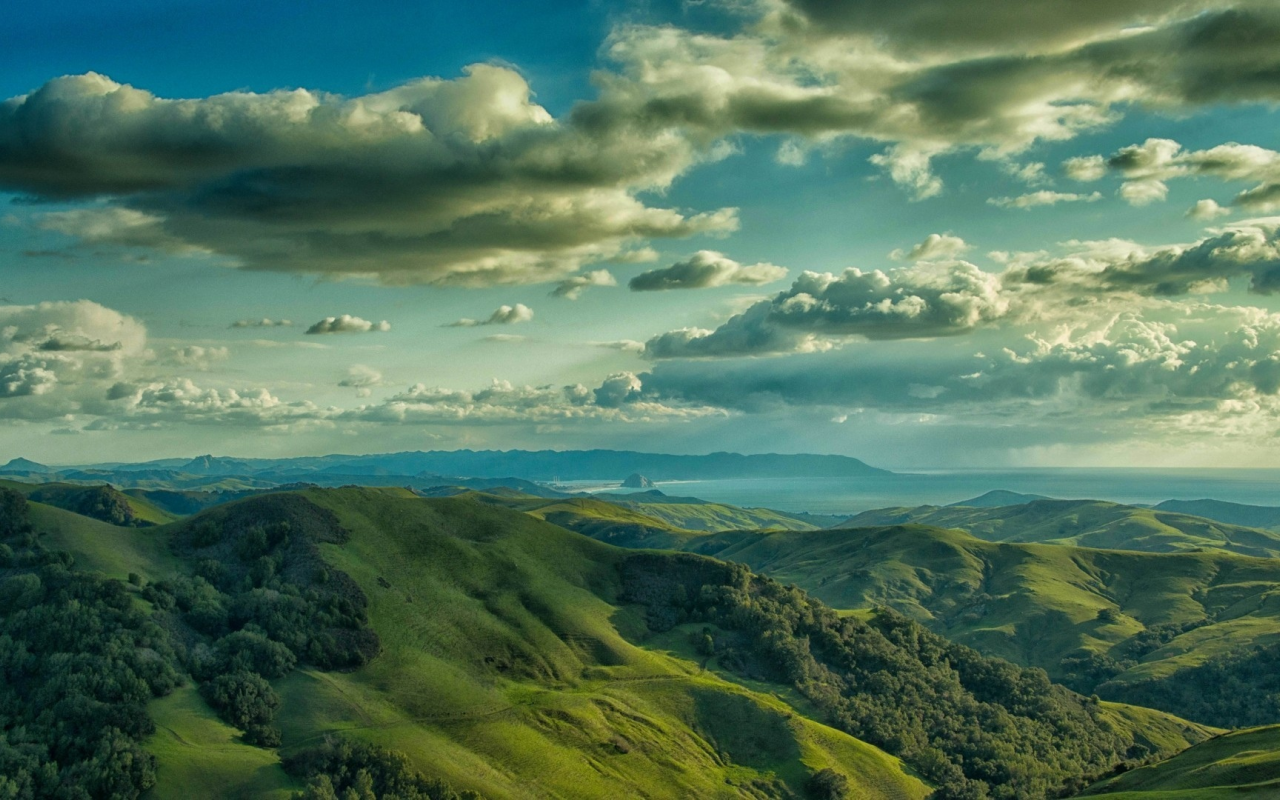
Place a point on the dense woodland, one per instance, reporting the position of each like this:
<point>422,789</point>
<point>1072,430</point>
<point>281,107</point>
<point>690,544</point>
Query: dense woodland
<point>976,727</point>
<point>80,655</point>
<point>79,660</point>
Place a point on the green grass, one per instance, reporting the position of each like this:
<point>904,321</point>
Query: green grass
<point>1242,763</point>
<point>63,495</point>
<point>504,668</point>
<point>1085,523</point>
<point>100,547</point>
<point>508,667</point>
<point>203,757</point>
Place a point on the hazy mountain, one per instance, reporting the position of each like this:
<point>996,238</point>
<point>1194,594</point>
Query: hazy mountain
<point>1233,513</point>
<point>999,497</point>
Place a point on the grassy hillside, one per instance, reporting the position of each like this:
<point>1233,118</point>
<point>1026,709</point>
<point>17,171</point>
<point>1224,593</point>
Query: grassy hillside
<point>517,659</point>
<point>1084,523</point>
<point>1034,604</point>
<point>1232,513</point>
<point>506,665</point>
<point>1242,763</point>
<point>102,502</point>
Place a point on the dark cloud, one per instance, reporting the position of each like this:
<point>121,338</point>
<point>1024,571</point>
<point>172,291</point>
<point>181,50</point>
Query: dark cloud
<point>464,181</point>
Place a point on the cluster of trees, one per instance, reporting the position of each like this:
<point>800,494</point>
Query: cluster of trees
<point>976,727</point>
<point>341,769</point>
<point>1233,690</point>
<point>258,602</point>
<point>78,663</point>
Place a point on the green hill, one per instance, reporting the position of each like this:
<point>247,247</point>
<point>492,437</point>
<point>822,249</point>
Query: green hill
<point>1085,523</point>
<point>102,502</point>
<point>1104,620</point>
<point>506,656</point>
<point>1243,763</point>
<point>503,667</point>
<point>1232,513</point>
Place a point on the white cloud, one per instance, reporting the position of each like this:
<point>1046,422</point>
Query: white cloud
<point>706,269</point>
<point>345,323</point>
<point>465,181</point>
<point>265,322</point>
<point>1086,281</point>
<point>1044,197</point>
<point>1085,169</point>
<point>502,315</point>
<point>1207,210</point>
<point>571,288</point>
<point>934,246</point>
<point>1144,192</point>
<point>200,357</point>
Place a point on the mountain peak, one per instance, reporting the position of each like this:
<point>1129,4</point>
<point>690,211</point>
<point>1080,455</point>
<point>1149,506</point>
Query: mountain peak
<point>24,465</point>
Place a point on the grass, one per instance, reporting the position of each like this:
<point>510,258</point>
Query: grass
<point>1243,763</point>
<point>508,667</point>
<point>1085,523</point>
<point>203,757</point>
<point>504,669</point>
<point>1030,603</point>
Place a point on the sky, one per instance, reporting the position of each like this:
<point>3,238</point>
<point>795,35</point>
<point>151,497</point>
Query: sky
<point>931,233</point>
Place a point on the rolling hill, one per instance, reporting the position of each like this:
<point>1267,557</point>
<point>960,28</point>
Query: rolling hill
<point>513,658</point>
<point>1084,523</point>
<point>1231,513</point>
<point>1101,620</point>
<point>1244,763</point>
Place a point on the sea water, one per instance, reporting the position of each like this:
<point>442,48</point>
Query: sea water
<point>852,495</point>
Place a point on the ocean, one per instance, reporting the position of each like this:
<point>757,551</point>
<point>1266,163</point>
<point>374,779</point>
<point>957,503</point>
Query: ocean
<point>853,495</point>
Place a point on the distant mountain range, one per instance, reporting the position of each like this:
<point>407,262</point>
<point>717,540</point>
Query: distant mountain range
<point>541,465</point>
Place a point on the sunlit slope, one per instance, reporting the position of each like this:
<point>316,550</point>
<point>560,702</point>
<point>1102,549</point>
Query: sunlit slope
<point>1085,523</point>
<point>505,668</point>
<point>503,664</point>
<point>1243,763</point>
<point>103,502</point>
<point>1032,604</point>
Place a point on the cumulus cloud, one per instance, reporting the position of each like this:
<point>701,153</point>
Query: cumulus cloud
<point>810,73</point>
<point>1125,372</point>
<point>934,246</point>
<point>200,357</point>
<point>346,323</point>
<point>1207,210</point>
<point>922,301</point>
<point>57,356</point>
<point>265,322</point>
<point>1083,281</point>
<point>1085,168</point>
<point>1044,197</point>
<point>571,288</point>
<point>465,181</point>
<point>503,315</point>
<point>706,269</point>
<point>1146,168</point>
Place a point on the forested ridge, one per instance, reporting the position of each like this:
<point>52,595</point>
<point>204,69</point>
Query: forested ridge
<point>976,727</point>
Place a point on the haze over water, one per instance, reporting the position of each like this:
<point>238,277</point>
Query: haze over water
<point>853,495</point>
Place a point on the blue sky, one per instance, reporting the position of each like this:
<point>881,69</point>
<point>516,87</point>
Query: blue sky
<point>172,169</point>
